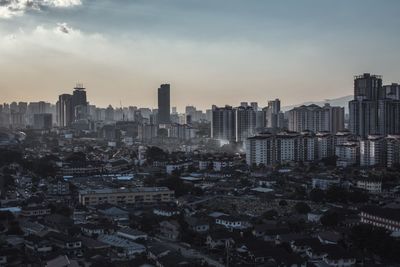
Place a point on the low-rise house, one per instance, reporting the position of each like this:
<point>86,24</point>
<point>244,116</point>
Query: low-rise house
<point>114,213</point>
<point>35,211</point>
<point>371,185</point>
<point>37,245</point>
<point>177,166</point>
<point>169,229</point>
<point>314,216</point>
<point>270,231</point>
<point>233,222</point>
<point>71,245</point>
<point>91,229</point>
<point>32,228</point>
<point>198,225</point>
<point>94,245</point>
<point>156,251</point>
<point>59,187</point>
<point>166,211</point>
<point>131,234</point>
<point>219,239</point>
<point>62,261</point>
<point>329,237</point>
<point>59,222</point>
<point>324,183</point>
<point>340,258</point>
<point>302,245</point>
<point>123,247</point>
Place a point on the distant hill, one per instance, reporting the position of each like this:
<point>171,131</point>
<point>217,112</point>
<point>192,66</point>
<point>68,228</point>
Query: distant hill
<point>341,101</point>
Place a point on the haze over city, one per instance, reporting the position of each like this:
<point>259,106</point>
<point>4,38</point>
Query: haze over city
<point>122,50</point>
<point>212,133</point>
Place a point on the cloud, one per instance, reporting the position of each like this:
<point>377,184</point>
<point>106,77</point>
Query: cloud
<point>12,8</point>
<point>63,27</point>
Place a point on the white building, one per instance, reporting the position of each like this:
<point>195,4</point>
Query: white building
<point>372,186</point>
<point>373,151</point>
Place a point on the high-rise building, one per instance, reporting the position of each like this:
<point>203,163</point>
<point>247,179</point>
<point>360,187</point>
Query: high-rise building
<point>245,123</point>
<point>79,103</point>
<point>375,109</point>
<point>64,110</point>
<point>164,111</point>
<point>223,123</point>
<point>273,114</point>
<point>373,151</point>
<point>393,150</point>
<point>325,144</point>
<point>347,154</point>
<point>42,121</point>
<point>109,114</point>
<point>316,119</point>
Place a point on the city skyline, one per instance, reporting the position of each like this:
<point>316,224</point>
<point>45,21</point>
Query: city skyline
<point>305,51</point>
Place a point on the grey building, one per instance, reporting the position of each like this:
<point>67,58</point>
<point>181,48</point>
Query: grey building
<point>164,110</point>
<point>375,109</point>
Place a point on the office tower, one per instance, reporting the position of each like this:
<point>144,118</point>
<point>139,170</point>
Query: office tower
<point>223,124</point>
<point>64,110</point>
<point>164,104</point>
<point>42,121</point>
<point>317,119</point>
<point>244,104</point>
<point>393,150</point>
<point>174,110</point>
<point>373,151</point>
<point>79,103</point>
<point>245,123</point>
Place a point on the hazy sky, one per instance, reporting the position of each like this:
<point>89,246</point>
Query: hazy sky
<point>211,51</point>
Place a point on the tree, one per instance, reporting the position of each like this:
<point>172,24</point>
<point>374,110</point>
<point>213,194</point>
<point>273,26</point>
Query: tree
<point>330,219</point>
<point>283,203</point>
<point>270,214</point>
<point>358,196</point>
<point>154,153</point>
<point>317,195</point>
<point>336,194</point>
<point>375,240</point>
<point>302,208</point>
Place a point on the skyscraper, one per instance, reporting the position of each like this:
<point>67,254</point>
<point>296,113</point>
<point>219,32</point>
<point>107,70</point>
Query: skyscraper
<point>79,103</point>
<point>64,110</point>
<point>164,116</point>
